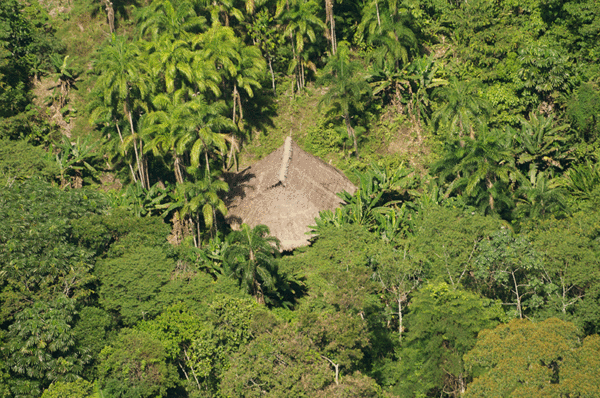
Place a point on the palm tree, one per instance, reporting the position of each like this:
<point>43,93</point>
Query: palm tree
<point>166,125</point>
<point>418,79</point>
<point>218,46</point>
<point>583,181</point>
<point>250,258</point>
<point>462,109</point>
<point>241,68</point>
<point>203,197</point>
<point>481,169</point>
<point>348,86</point>
<point>209,131</point>
<point>422,75</point>
<point>385,27</point>
<point>123,83</point>
<point>190,200</point>
<point>301,26</point>
<point>249,71</point>
<point>171,63</point>
<point>162,18</point>
<point>222,10</point>
<point>206,77</point>
<point>263,31</point>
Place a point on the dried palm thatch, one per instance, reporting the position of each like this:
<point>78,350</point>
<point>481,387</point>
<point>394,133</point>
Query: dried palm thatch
<point>285,191</point>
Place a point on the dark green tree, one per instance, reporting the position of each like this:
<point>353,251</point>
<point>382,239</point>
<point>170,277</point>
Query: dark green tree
<point>583,109</point>
<point>444,242</point>
<point>569,253</point>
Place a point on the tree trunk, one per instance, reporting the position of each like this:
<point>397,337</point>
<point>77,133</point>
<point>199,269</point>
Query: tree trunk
<point>518,296</point>
<point>400,319</point>
<point>110,14</point>
<point>301,71</point>
<point>490,198</point>
<point>461,383</point>
<point>351,133</point>
<point>297,58</point>
<point>192,368</point>
<point>239,97</point>
<point>177,167</point>
<point>137,156</point>
<point>336,367</point>
<point>146,174</point>
<point>128,163</point>
<point>206,159</point>
<point>197,239</point>
<point>233,149</point>
<point>329,16</point>
<point>272,76</point>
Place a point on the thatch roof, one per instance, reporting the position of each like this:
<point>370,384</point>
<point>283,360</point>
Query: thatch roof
<point>285,191</point>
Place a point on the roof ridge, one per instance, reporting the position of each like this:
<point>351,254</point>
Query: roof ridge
<point>285,160</point>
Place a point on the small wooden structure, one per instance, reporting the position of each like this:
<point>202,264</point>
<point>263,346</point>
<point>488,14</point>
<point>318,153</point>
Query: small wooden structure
<point>285,191</point>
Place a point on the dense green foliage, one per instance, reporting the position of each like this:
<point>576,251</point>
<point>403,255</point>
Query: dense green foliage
<point>467,263</point>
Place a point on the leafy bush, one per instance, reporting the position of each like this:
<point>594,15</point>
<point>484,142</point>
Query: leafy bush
<point>20,160</point>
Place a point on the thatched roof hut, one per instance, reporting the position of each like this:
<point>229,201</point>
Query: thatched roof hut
<point>285,191</point>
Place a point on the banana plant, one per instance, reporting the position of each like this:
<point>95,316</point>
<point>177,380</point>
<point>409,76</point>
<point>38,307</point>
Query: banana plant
<point>394,223</point>
<point>326,218</point>
<point>65,74</point>
<point>540,143</point>
<point>369,206</point>
<point>73,157</point>
<point>583,181</point>
<point>143,202</point>
<point>538,196</point>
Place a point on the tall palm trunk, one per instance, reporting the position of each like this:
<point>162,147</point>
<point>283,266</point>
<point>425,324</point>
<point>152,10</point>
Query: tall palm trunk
<point>331,21</point>
<point>234,148</point>
<point>177,168</point>
<point>135,149</point>
<point>302,83</point>
<point>351,132</point>
<point>110,14</point>
<point>234,95</point>
<point>272,75</point>
<point>490,185</point>
<point>297,58</point>
<point>237,104</point>
<point>128,163</point>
